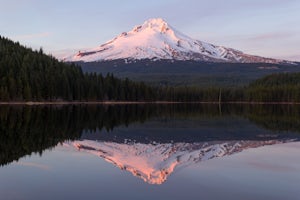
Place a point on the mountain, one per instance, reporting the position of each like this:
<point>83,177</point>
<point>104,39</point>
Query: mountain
<point>154,163</point>
<point>157,40</point>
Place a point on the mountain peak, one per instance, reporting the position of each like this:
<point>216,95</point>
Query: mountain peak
<point>156,39</point>
<point>155,24</point>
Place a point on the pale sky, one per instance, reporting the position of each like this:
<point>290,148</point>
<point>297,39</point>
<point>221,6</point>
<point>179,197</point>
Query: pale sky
<point>261,27</point>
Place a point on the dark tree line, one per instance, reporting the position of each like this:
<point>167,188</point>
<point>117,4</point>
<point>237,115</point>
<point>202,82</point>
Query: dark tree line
<point>27,75</point>
<point>284,87</point>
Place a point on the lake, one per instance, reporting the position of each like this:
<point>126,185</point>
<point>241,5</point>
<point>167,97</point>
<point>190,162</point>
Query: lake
<point>151,151</point>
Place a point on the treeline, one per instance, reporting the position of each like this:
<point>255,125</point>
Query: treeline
<point>273,88</point>
<point>284,87</point>
<point>27,75</point>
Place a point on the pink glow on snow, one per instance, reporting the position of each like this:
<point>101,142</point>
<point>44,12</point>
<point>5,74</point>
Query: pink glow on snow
<point>156,39</point>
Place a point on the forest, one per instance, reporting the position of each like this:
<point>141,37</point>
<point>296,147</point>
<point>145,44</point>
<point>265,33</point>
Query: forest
<point>28,75</point>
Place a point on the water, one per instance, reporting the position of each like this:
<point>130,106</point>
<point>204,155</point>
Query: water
<point>150,152</point>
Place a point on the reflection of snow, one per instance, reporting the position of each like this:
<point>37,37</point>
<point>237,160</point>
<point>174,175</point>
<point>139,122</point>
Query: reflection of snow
<point>155,162</point>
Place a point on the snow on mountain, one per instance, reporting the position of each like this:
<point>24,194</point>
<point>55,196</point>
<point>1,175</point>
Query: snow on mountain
<point>156,39</point>
<point>155,162</point>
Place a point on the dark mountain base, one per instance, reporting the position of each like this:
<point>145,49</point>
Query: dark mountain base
<point>168,72</point>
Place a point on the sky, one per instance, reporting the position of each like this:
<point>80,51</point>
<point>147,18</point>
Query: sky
<point>268,28</point>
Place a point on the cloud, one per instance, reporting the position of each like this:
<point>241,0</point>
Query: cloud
<point>271,167</point>
<point>271,36</point>
<point>35,165</point>
<point>61,54</point>
<point>33,36</point>
<point>260,37</point>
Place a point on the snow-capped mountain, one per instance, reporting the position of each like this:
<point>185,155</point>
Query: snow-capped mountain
<point>156,39</point>
<point>155,162</point>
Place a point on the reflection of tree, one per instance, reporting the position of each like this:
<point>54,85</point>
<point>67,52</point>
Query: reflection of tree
<point>276,117</point>
<point>25,130</point>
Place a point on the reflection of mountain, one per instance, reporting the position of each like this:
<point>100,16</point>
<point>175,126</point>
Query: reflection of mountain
<point>155,162</point>
<point>32,129</point>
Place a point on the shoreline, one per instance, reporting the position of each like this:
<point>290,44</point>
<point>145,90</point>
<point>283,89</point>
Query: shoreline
<point>33,103</point>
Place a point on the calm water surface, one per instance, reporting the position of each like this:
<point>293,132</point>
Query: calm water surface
<point>150,152</point>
